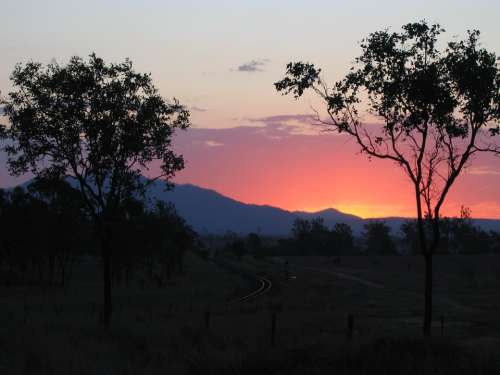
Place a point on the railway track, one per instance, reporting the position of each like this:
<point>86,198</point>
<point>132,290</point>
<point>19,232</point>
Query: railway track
<point>264,283</point>
<point>265,286</point>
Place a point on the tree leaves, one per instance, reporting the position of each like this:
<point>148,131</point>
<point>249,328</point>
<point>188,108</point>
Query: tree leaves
<point>299,77</point>
<point>101,124</point>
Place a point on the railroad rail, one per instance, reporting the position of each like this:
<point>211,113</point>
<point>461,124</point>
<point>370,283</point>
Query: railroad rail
<point>265,286</point>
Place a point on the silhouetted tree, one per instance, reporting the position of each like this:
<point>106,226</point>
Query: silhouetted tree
<point>63,219</point>
<point>494,241</point>
<point>378,239</point>
<point>168,238</point>
<point>100,125</point>
<point>301,230</point>
<point>445,229</point>
<point>410,235</point>
<point>312,237</point>
<point>343,238</point>
<point>238,247</point>
<point>458,235</point>
<point>3,248</point>
<point>466,238</point>
<point>23,243</point>
<point>40,235</point>
<point>436,109</point>
<point>320,238</point>
<point>254,244</point>
<point>234,244</point>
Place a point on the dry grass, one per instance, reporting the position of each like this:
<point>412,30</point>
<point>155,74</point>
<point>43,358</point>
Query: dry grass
<point>163,330</point>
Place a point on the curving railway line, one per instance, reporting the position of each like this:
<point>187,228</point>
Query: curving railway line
<point>265,286</point>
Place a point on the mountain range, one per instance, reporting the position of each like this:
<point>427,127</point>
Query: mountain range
<point>210,212</point>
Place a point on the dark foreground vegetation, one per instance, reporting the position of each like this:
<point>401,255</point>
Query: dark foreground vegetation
<point>45,233</point>
<point>156,329</point>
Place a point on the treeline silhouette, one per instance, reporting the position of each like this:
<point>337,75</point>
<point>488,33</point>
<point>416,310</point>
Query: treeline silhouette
<point>46,231</point>
<point>307,237</point>
<point>459,236</point>
<point>313,237</point>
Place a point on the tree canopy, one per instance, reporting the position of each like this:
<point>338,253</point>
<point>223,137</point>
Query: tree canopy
<point>377,237</point>
<point>436,108</point>
<point>99,124</point>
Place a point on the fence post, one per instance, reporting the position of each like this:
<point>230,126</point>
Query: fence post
<point>350,326</point>
<point>25,317</point>
<point>207,319</point>
<point>273,329</point>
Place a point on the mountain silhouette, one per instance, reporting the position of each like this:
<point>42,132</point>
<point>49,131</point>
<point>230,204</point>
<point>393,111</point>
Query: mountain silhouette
<point>210,212</point>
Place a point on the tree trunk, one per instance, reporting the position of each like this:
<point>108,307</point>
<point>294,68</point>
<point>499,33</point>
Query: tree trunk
<point>127,275</point>
<point>427,253</point>
<point>150,269</point>
<point>40,272</point>
<point>428,294</point>
<point>181,261</point>
<point>106,260</point>
<point>63,273</point>
<point>428,272</point>
<point>51,269</point>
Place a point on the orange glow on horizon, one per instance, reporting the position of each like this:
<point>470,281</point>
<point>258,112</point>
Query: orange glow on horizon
<point>273,165</point>
<point>366,211</point>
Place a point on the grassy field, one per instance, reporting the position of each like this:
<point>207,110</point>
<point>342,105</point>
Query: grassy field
<point>467,290</point>
<point>164,330</point>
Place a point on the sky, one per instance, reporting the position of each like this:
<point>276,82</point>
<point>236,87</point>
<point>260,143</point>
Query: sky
<point>220,59</point>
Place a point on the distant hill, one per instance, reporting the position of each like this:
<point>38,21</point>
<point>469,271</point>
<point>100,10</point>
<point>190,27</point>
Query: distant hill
<point>210,212</point>
<point>213,213</point>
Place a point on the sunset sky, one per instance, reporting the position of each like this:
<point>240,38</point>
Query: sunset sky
<point>220,58</point>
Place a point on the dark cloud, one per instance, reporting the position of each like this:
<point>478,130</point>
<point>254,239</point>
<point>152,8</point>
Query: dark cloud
<point>290,123</point>
<point>280,119</point>
<point>198,109</point>
<point>253,66</point>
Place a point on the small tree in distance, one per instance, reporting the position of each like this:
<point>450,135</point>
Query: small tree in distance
<point>437,108</point>
<point>377,237</point>
<point>97,124</point>
<point>344,238</point>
